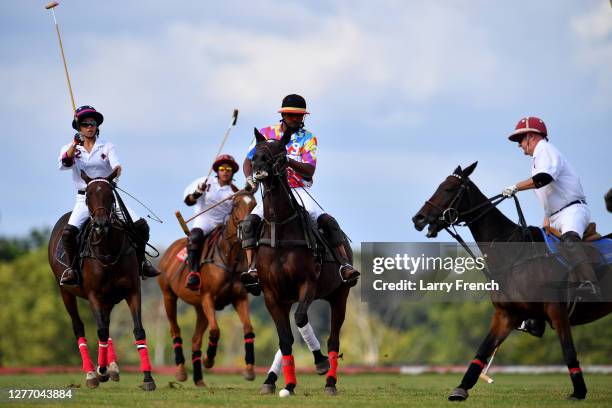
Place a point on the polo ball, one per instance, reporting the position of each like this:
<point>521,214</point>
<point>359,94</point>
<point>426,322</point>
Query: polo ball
<point>284,393</point>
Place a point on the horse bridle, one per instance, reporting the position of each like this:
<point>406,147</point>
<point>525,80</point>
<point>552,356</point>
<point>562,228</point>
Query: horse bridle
<point>109,213</point>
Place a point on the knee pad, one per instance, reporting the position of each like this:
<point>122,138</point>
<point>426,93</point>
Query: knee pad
<point>332,230</point>
<point>248,231</point>
<point>196,239</point>
<point>142,228</point>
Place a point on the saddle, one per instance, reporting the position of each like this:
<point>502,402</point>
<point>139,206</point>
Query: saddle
<point>599,249</point>
<point>83,250</point>
<point>208,251</point>
<point>590,233</point>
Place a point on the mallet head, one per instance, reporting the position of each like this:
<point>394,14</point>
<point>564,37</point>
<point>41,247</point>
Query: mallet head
<point>235,114</point>
<point>52,5</point>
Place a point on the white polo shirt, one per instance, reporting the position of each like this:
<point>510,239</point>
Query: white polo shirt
<point>99,163</point>
<point>214,193</point>
<point>565,187</point>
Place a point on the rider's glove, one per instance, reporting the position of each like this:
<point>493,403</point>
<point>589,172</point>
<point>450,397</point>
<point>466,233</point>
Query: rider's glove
<point>510,191</point>
<point>251,185</point>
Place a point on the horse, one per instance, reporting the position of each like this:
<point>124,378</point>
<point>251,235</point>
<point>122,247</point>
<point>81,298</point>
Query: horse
<point>287,266</point>
<point>220,287</point>
<point>457,200</point>
<point>110,274</point>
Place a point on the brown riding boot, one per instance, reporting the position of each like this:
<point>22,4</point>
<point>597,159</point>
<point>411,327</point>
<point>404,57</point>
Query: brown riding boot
<point>69,242</point>
<point>348,273</point>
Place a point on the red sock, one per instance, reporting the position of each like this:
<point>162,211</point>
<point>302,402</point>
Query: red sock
<point>333,364</point>
<point>112,357</point>
<point>289,370</point>
<point>145,364</point>
<point>102,353</point>
<point>87,363</point>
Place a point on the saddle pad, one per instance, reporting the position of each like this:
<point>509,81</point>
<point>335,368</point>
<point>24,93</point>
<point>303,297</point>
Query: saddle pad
<point>208,247</point>
<point>603,246</point>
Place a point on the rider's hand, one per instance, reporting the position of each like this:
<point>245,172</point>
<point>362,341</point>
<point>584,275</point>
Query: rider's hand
<point>78,139</point>
<point>251,185</point>
<point>510,191</point>
<point>201,188</point>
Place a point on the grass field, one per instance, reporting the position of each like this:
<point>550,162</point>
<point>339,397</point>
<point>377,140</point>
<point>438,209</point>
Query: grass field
<point>375,390</point>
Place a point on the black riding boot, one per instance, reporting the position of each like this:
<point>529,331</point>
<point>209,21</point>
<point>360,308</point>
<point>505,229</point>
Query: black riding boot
<point>534,327</point>
<point>335,237</point>
<point>195,244</point>
<point>583,280</point>
<point>69,242</point>
<point>146,269</point>
<point>248,231</point>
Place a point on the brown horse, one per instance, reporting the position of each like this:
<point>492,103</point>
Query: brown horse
<point>458,200</point>
<point>110,274</point>
<point>289,270</point>
<point>220,287</point>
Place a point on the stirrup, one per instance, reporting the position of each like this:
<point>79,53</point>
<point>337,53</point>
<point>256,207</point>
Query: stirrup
<point>193,287</point>
<point>250,283</point>
<point>76,283</point>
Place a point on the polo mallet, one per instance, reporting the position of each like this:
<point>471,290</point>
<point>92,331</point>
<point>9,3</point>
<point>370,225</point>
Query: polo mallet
<point>483,374</point>
<point>178,214</point>
<point>51,6</point>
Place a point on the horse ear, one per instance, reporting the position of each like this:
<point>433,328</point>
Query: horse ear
<point>258,136</point>
<point>85,177</point>
<point>113,175</point>
<point>469,169</point>
<point>287,136</point>
<point>458,170</point>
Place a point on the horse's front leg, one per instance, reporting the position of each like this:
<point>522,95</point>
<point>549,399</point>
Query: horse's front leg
<point>501,327</point>
<point>280,314</point>
<point>101,313</point>
<point>338,313</point>
<point>241,304</point>
<point>560,320</point>
<point>134,303</point>
<point>214,333</point>
<point>196,346</point>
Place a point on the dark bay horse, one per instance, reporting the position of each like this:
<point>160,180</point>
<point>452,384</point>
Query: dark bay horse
<point>220,287</point>
<point>288,269</point>
<point>110,274</point>
<point>456,200</point>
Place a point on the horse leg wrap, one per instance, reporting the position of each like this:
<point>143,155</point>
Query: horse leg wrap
<point>577,378</point>
<point>276,364</point>
<point>471,375</point>
<point>87,363</point>
<point>333,365</point>
<point>309,337</point>
<point>141,346</point>
<point>211,351</point>
<point>271,378</point>
<point>196,360</point>
<point>112,357</point>
<point>249,348</point>
<point>288,365</point>
<point>102,353</point>
<point>179,358</point>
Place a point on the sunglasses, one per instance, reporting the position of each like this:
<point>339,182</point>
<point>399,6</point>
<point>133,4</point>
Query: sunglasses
<point>225,168</point>
<point>88,124</point>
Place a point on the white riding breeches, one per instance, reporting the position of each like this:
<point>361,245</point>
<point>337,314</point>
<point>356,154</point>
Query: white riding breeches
<point>302,198</point>
<point>573,218</point>
<point>80,212</point>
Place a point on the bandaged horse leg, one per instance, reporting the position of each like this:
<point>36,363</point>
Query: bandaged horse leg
<point>88,366</point>
<point>214,332</point>
<point>336,239</point>
<point>196,346</point>
<point>338,313</point>
<point>113,367</point>
<point>195,245</point>
<point>248,234</point>
<point>134,303</point>
<point>70,245</point>
<point>501,326</point>
<point>310,338</point>
<point>102,316</point>
<point>142,229</point>
<point>242,308</point>
<point>582,275</point>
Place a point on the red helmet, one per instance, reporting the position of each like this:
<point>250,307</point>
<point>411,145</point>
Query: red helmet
<point>529,124</point>
<point>225,158</point>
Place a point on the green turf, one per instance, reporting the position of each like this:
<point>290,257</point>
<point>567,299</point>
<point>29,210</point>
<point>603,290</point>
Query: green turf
<point>375,390</point>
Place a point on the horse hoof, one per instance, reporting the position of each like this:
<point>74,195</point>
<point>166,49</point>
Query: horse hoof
<point>113,371</point>
<point>102,376</point>
<point>249,373</point>
<point>91,380</point>
<point>267,389</point>
<point>458,394</point>
<point>331,390</point>
<point>575,397</point>
<point>148,386</point>
<point>200,383</point>
<point>208,362</point>
<point>322,367</point>
<point>180,374</point>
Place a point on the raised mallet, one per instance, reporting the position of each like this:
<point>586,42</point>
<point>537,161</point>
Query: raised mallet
<point>51,6</point>
<point>178,214</point>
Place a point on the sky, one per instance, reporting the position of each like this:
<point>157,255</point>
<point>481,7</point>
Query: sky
<point>400,93</point>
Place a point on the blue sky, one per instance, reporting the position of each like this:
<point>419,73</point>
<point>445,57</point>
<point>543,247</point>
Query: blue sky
<point>401,92</point>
